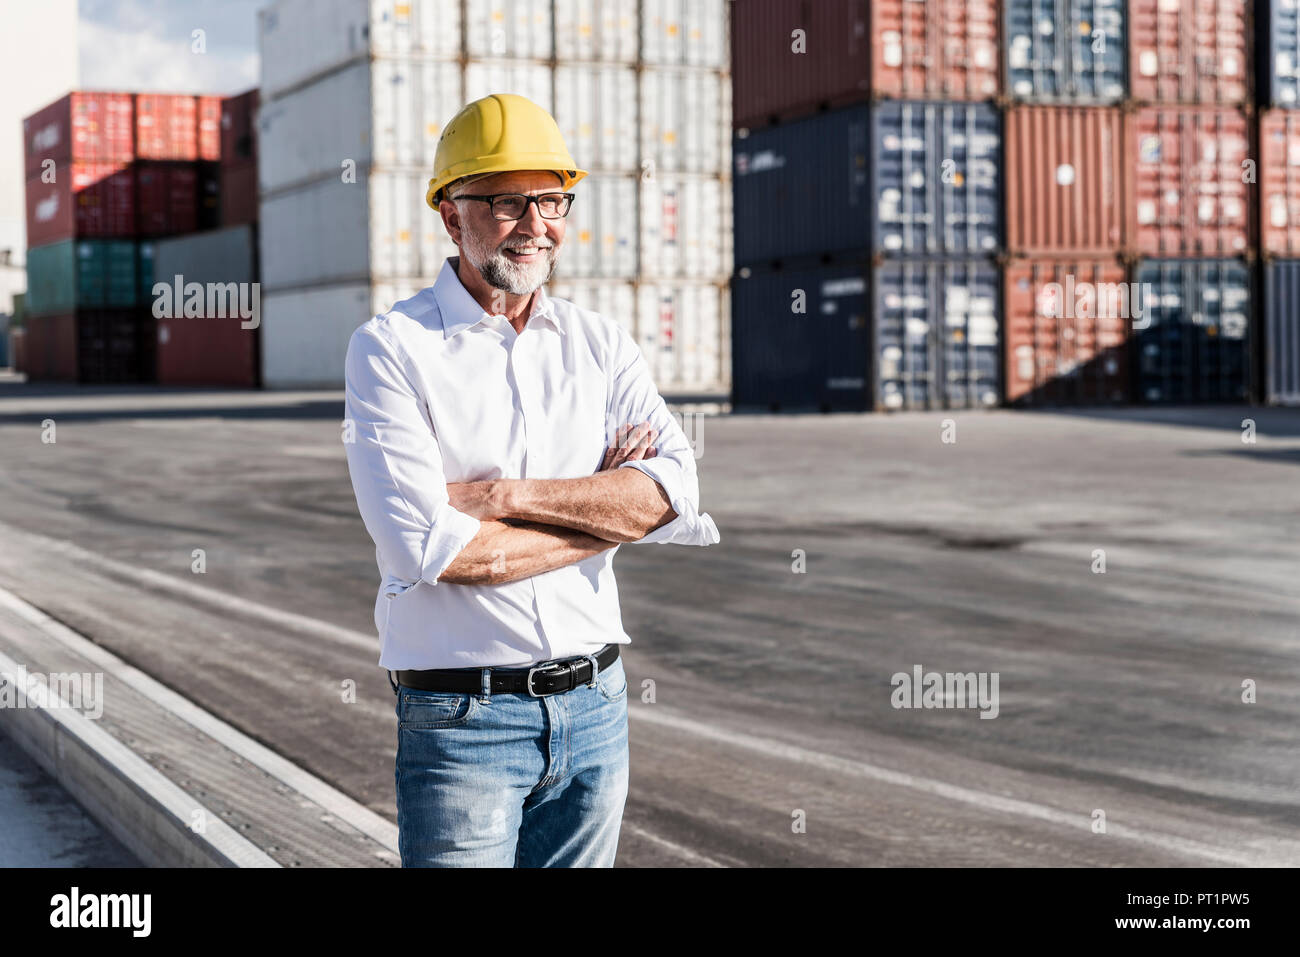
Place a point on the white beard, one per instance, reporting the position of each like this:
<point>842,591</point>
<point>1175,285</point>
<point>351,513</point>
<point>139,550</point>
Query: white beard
<point>501,272</point>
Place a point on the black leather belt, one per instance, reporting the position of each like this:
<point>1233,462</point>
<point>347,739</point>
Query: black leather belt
<point>546,678</point>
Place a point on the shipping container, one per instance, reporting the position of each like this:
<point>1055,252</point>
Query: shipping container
<point>301,40</point>
<point>305,334</point>
<point>801,339</point>
<point>208,110</point>
<point>206,352</point>
<point>936,179</point>
<point>207,191</point>
<point>92,200</point>
<point>166,126</point>
<point>75,274</point>
<point>612,298</point>
<point>1279,182</point>
<point>596,30</point>
<point>1189,51</point>
<point>1065,51</point>
<point>1187,181</point>
<point>1066,174</point>
<point>685,120</point>
<point>220,255</point>
<point>1066,327</point>
<point>680,33</point>
<point>238,194</point>
<point>1194,344</point>
<point>936,50</point>
<point>81,127</point>
<point>790,58</point>
<point>49,347</point>
<point>591,110</point>
<point>167,198</point>
<point>239,128</point>
<point>801,188</point>
<point>683,332</point>
<point>1281,305</point>
<point>684,224</point>
<point>115,346</point>
<point>1277,52</point>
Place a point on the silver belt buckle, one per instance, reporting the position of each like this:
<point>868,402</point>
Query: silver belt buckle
<point>545,669</point>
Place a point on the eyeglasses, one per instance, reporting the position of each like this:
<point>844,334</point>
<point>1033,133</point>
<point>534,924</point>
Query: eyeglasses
<point>507,206</point>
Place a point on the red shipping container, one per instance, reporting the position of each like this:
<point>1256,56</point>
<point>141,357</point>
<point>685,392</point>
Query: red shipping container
<point>80,128</point>
<point>1189,51</point>
<point>1066,332</point>
<point>238,194</point>
<point>167,199</point>
<point>50,348</point>
<point>166,126</point>
<point>939,49</point>
<point>239,128</point>
<point>1188,181</point>
<point>86,200</point>
<point>209,124</point>
<point>771,80</point>
<point>206,352</point>
<point>1279,182</point>
<point>1066,176</point>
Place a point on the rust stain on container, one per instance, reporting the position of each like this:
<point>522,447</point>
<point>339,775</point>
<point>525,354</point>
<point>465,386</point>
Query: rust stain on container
<point>1279,182</point>
<point>1066,328</point>
<point>1066,175</point>
<point>1189,193</point>
<point>940,49</point>
<point>1189,51</point>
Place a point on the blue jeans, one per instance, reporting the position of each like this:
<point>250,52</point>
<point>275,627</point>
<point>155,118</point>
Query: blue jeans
<point>510,780</point>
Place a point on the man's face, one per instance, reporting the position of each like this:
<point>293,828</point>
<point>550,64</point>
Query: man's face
<point>514,255</point>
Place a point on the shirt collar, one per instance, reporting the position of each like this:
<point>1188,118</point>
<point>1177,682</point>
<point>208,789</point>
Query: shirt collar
<point>460,310</point>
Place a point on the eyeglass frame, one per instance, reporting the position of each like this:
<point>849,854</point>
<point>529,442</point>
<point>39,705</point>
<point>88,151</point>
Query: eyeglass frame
<point>491,198</point>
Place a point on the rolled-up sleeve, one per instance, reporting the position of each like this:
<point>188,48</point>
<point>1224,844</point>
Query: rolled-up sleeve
<point>634,399</point>
<point>396,466</point>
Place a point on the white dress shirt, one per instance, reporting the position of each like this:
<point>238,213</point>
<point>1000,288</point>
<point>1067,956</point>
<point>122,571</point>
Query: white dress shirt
<point>438,391</point>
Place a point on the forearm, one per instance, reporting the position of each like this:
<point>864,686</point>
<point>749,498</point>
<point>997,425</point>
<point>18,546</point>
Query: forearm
<point>618,505</point>
<point>503,552</point>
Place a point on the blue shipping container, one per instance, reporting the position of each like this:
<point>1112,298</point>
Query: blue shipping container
<point>936,178</point>
<point>852,337</point>
<point>1066,51</point>
<point>1194,346</point>
<point>799,339</point>
<point>1282,332</point>
<point>1277,52</point>
<point>800,188</point>
<point>937,335</point>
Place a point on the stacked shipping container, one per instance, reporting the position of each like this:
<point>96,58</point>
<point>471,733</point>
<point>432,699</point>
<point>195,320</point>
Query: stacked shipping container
<point>108,175</point>
<point>881,219</point>
<point>349,135</point>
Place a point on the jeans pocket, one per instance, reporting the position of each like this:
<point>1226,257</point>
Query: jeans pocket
<point>434,709</point>
<point>612,681</point>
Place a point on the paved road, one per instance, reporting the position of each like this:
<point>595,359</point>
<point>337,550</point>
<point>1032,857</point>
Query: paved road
<point>1119,692</point>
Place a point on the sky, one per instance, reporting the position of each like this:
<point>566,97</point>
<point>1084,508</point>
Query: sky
<point>147,45</point>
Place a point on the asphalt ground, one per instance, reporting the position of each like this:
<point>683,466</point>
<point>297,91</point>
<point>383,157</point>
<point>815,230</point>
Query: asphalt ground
<point>771,738</point>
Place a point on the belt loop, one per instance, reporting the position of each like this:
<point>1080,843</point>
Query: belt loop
<point>486,692</point>
<point>391,681</point>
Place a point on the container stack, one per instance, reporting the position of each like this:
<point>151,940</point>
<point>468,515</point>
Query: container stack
<point>354,98</point>
<point>109,177</point>
<point>867,160</point>
<point>1278,86</point>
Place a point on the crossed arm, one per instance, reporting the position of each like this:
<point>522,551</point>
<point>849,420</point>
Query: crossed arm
<point>530,526</point>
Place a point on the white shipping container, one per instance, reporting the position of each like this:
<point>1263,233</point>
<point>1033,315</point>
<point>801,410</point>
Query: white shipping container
<point>412,100</point>
<point>214,255</point>
<point>686,120</point>
<point>685,32</point>
<point>300,40</point>
<point>305,334</point>
<point>600,234</point>
<point>614,300</point>
<point>532,80</point>
<point>311,132</point>
<point>596,30</point>
<point>508,28</point>
<point>595,108</point>
<point>683,227</point>
<point>682,329</point>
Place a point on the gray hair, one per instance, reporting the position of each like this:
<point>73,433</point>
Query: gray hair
<point>458,186</point>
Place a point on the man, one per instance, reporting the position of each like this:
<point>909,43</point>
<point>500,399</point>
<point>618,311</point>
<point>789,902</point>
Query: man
<point>482,413</point>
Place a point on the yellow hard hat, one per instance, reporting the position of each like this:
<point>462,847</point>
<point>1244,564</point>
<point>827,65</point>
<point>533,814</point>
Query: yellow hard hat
<point>499,133</point>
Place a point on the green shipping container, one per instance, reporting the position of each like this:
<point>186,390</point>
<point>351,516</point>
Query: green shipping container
<point>144,279</point>
<point>82,273</point>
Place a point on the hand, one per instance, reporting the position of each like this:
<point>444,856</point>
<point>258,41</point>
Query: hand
<point>485,500</point>
<point>629,445</point>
